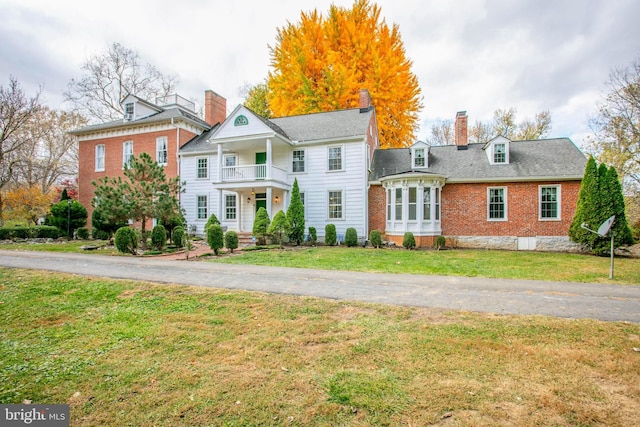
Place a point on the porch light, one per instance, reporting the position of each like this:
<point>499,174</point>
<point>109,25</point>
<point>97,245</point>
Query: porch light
<point>248,199</point>
<point>277,199</point>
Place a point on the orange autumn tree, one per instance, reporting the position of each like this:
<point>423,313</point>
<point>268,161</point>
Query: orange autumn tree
<point>321,63</point>
<point>28,203</point>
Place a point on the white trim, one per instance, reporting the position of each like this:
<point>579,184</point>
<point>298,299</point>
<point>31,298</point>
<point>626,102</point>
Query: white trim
<point>505,202</point>
<point>304,160</point>
<point>198,168</point>
<point>228,156</point>
<point>558,202</point>
<point>206,207</point>
<point>103,157</point>
<point>127,156</point>
<point>342,204</point>
<point>342,159</point>
<point>162,140</point>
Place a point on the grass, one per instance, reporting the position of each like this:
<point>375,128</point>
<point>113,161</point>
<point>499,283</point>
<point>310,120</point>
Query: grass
<point>72,246</point>
<point>132,353</point>
<point>481,263</point>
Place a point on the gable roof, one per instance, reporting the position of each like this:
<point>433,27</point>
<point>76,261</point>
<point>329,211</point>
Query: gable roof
<point>544,159</point>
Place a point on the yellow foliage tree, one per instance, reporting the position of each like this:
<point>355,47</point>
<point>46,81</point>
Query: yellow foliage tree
<point>28,203</point>
<point>321,63</point>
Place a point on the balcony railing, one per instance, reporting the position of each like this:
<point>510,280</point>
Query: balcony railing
<point>251,173</point>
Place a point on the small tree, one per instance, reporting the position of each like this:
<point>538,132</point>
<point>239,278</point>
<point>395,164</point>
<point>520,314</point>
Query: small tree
<point>295,215</point>
<point>68,216</point>
<point>375,237</point>
<point>158,237</point>
<point>213,220</point>
<point>330,236</point>
<point>313,237</point>
<point>215,238</point>
<point>408,241</point>
<point>279,226</point>
<point>231,240</point>
<point>260,226</point>
<point>351,237</point>
<point>126,240</point>
<point>439,242</point>
<point>83,233</point>
<point>177,237</point>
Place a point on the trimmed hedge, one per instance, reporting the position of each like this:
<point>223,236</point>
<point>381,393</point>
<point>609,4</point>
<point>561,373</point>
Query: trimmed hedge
<point>177,237</point>
<point>231,240</point>
<point>158,237</point>
<point>313,237</point>
<point>37,232</point>
<point>375,237</point>
<point>126,240</point>
<point>408,240</point>
<point>351,237</point>
<point>330,236</point>
<point>82,233</point>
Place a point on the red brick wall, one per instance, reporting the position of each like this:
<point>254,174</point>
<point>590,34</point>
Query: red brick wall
<point>464,210</point>
<point>145,142</point>
<point>377,209</point>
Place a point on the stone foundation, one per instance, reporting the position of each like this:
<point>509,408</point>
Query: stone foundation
<point>543,243</point>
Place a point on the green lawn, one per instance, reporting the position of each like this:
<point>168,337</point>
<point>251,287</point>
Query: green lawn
<point>131,353</point>
<point>482,263</point>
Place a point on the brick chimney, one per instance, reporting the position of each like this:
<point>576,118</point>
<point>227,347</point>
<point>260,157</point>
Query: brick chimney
<point>461,134</point>
<point>365,101</point>
<point>215,107</point>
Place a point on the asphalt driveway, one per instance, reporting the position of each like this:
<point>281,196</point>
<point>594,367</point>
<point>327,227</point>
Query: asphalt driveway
<point>501,296</point>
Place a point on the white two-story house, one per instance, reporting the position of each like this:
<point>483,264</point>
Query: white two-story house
<point>248,162</point>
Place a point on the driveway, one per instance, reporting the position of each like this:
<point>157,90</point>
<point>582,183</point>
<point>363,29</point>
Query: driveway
<point>501,296</point>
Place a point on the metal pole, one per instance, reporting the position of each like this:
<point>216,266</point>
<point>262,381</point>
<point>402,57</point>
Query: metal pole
<point>611,267</point>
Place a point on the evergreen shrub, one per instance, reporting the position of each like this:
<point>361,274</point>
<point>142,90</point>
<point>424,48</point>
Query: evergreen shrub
<point>351,237</point>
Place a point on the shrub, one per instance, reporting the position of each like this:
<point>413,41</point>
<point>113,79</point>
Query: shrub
<point>101,225</point>
<point>126,240</point>
<point>231,240</point>
<point>295,215</point>
<point>375,237</point>
<point>330,236</point>
<point>177,237</point>
<point>439,242</point>
<point>40,231</point>
<point>62,211</point>
<point>351,237</point>
<point>213,220</point>
<point>158,237</point>
<point>100,234</point>
<point>408,241</point>
<point>279,226</point>
<point>215,238</point>
<point>260,226</point>
<point>83,233</point>
<point>313,237</point>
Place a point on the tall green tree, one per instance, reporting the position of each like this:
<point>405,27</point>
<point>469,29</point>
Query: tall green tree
<point>143,193</point>
<point>295,215</point>
<point>600,197</point>
<point>279,226</point>
<point>68,215</point>
<point>261,225</point>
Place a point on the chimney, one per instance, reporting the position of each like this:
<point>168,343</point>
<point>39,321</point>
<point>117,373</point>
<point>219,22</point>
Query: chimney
<point>215,108</point>
<point>461,134</point>
<point>365,101</point>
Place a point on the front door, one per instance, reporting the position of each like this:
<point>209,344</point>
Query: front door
<point>261,159</point>
<point>261,201</point>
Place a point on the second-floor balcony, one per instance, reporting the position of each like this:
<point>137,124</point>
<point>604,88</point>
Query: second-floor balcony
<point>250,173</point>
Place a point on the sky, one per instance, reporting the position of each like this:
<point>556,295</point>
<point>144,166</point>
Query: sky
<point>471,55</point>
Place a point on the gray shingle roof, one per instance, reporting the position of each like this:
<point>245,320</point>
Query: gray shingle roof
<point>327,125</point>
<point>199,143</point>
<point>168,114</point>
<point>557,158</point>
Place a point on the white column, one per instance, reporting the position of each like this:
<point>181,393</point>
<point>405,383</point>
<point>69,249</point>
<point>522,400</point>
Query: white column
<point>269,159</point>
<point>219,210</point>
<point>219,162</point>
<point>405,206</point>
<point>269,201</point>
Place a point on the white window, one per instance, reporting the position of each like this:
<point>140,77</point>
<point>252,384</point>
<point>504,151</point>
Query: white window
<point>128,111</point>
<point>230,160</point>
<point>549,202</point>
<point>419,158</point>
<point>335,158</point>
<point>426,202</point>
<point>202,166</point>
<point>413,203</point>
<point>100,157</point>
<point>127,153</point>
<point>298,161</point>
<point>497,203</point>
<point>389,205</point>
<point>499,153</point>
<point>335,204</point>
<point>230,206</point>
<point>398,203</point>
<point>161,150</point>
<point>202,207</point>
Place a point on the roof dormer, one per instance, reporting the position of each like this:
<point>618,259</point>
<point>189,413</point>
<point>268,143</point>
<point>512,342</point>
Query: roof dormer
<point>420,155</point>
<point>137,108</point>
<point>497,150</point>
